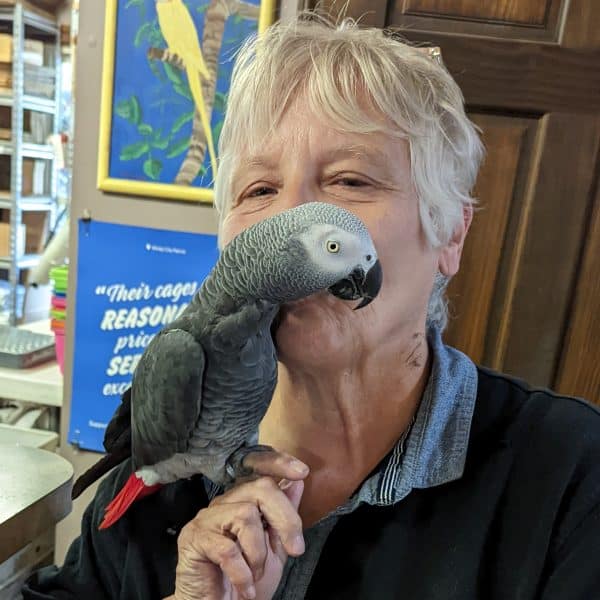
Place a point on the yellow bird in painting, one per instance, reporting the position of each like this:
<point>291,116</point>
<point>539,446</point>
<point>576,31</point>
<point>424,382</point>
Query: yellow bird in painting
<point>179,31</point>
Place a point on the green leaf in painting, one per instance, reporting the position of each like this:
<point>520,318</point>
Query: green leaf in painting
<point>182,120</point>
<point>129,109</point>
<point>237,19</point>
<point>202,8</point>
<point>134,3</point>
<point>145,129</point>
<point>152,168</point>
<point>142,32</point>
<point>153,64</point>
<point>202,171</point>
<point>173,74</point>
<point>136,110</point>
<point>217,130</point>
<point>183,90</point>
<point>160,143</point>
<point>220,101</point>
<point>133,151</point>
<point>156,37</point>
<point>123,109</point>
<point>178,147</point>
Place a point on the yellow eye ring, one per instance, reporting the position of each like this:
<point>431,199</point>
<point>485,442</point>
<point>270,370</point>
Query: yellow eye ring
<point>333,246</point>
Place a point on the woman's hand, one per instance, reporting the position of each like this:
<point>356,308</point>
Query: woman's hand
<point>236,547</point>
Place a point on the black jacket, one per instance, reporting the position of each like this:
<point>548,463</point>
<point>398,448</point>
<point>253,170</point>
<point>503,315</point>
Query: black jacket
<point>523,521</point>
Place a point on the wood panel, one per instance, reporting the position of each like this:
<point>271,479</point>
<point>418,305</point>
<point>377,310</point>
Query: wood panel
<point>582,25</point>
<point>579,371</point>
<point>531,12</point>
<point>548,78</point>
<point>368,13</point>
<point>542,269</point>
<point>531,20</point>
<point>471,292</point>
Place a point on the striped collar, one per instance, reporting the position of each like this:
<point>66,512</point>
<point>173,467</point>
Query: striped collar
<point>434,449</point>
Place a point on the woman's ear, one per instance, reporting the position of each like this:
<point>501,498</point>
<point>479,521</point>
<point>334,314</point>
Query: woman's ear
<point>449,260</point>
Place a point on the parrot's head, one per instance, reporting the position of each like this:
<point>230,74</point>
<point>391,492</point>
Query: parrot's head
<point>343,260</point>
<point>316,247</point>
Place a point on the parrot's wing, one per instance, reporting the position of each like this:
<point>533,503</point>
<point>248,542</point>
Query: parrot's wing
<point>166,396</point>
<point>118,431</point>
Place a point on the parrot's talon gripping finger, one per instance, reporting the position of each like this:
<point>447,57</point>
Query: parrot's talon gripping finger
<point>235,467</point>
<point>251,462</point>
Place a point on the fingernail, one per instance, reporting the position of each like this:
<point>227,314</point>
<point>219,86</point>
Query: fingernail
<point>298,544</point>
<point>299,467</point>
<point>250,592</point>
<point>284,484</point>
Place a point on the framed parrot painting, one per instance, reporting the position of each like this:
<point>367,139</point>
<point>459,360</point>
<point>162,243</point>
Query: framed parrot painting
<point>166,74</point>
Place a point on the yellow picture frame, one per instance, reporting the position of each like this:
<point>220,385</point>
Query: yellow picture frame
<point>129,32</point>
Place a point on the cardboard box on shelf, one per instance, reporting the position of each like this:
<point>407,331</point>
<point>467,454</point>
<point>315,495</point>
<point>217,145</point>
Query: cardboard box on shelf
<point>36,223</point>
<point>35,176</point>
<point>6,47</point>
<point>33,50</point>
<point>28,169</point>
<point>5,122</point>
<point>5,239</point>
<point>5,78</point>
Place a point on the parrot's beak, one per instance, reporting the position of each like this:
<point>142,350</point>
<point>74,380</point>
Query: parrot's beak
<point>360,285</point>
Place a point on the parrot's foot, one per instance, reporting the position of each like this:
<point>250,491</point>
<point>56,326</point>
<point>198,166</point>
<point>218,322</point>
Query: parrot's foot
<point>235,468</point>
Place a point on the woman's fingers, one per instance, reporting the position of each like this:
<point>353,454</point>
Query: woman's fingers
<point>202,542</point>
<point>227,554</point>
<point>241,539</point>
<point>276,508</point>
<point>278,465</point>
<point>293,490</point>
<point>247,528</point>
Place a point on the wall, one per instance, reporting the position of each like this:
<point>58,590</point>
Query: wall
<point>181,216</point>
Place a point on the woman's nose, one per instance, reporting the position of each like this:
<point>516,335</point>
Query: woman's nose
<point>296,194</point>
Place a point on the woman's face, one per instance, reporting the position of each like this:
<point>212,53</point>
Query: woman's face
<point>369,174</point>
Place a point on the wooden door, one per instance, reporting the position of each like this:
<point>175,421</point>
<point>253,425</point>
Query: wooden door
<point>527,299</point>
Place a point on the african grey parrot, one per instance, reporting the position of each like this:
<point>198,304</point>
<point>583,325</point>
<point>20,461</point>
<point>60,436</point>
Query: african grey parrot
<point>205,381</point>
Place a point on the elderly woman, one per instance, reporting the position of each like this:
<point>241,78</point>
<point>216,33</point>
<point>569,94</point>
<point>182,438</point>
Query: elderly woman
<point>416,474</point>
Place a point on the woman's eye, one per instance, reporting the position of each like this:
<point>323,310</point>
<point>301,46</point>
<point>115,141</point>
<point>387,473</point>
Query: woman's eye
<point>350,182</point>
<point>259,191</point>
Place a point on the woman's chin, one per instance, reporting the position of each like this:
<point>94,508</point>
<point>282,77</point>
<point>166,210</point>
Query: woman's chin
<point>313,329</point>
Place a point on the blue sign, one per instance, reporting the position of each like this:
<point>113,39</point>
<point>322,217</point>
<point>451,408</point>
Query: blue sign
<point>131,282</point>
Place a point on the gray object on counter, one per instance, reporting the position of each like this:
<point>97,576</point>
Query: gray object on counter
<point>20,348</point>
<point>35,494</point>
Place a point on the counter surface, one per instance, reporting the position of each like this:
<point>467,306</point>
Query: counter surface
<point>35,493</point>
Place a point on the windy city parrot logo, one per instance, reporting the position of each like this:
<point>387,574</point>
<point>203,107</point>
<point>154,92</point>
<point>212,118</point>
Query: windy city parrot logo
<point>178,30</point>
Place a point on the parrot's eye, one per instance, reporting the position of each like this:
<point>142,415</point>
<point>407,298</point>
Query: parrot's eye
<point>333,246</point>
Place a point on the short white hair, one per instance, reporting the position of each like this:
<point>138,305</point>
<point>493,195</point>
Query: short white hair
<point>333,66</point>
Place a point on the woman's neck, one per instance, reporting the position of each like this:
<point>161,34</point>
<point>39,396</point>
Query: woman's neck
<point>343,423</point>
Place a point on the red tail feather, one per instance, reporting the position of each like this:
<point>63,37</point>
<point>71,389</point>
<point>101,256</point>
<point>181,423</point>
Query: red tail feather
<point>134,489</point>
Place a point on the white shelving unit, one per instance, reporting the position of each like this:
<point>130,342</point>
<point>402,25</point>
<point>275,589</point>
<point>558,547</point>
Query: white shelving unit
<point>26,22</point>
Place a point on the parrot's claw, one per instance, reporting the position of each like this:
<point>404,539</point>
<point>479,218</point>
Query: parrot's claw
<point>235,468</point>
